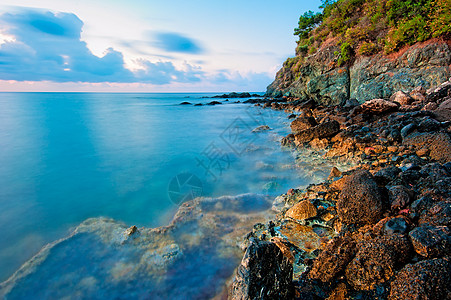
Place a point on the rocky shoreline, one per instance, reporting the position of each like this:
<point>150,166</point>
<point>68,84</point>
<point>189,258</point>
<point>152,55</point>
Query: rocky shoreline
<point>379,230</point>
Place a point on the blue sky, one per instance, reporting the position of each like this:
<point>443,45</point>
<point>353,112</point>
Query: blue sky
<point>145,45</point>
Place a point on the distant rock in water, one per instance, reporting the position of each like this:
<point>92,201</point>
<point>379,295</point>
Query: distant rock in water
<point>237,95</point>
<point>185,103</point>
<point>198,104</point>
<point>214,103</point>
<point>261,128</point>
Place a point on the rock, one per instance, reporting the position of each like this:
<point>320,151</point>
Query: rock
<point>399,197</point>
<point>378,106</point>
<point>198,104</point>
<point>376,260</point>
<point>132,230</point>
<point>438,215</point>
<point>334,173</point>
<point>264,273</point>
<point>428,125</point>
<point>430,106</point>
<point>420,90</point>
<point>367,77</point>
<point>288,140</point>
<point>408,129</point>
<point>350,103</point>
<point>261,128</point>
<point>303,123</point>
<point>443,112</point>
<point>431,241</point>
<point>323,130</point>
<point>360,201</point>
<point>302,210</point>
<point>428,279</point>
<point>439,144</point>
<point>337,253</point>
<point>384,176</point>
<point>185,103</point>
<point>214,103</point>
<point>402,98</point>
<point>396,225</point>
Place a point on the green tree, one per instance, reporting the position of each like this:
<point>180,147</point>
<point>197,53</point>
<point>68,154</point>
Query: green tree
<point>307,22</point>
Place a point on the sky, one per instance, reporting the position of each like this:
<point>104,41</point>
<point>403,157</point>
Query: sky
<point>145,45</point>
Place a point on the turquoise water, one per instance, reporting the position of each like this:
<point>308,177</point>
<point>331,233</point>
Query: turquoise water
<point>66,157</point>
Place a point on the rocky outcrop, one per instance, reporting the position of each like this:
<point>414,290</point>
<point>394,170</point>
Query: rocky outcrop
<point>379,76</point>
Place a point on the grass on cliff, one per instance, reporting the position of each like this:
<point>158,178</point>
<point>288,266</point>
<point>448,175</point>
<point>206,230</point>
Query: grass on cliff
<point>367,27</point>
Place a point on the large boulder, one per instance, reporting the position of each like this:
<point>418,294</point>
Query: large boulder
<point>360,201</point>
<point>302,210</point>
<point>264,273</point>
<point>428,279</point>
<point>378,106</point>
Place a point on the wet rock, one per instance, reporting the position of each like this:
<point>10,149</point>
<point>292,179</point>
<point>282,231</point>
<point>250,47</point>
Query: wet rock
<point>323,130</point>
<point>431,241</point>
<point>376,261</point>
<point>434,171</point>
<point>334,173</point>
<point>264,273</point>
<point>302,210</point>
<point>261,128</point>
<point>399,197</point>
<point>402,98</point>
<point>132,230</point>
<point>198,104</point>
<point>303,123</point>
<point>288,140</point>
<point>337,253</point>
<point>428,279</point>
<point>360,201</point>
<point>185,103</point>
<point>396,225</point>
<point>439,144</point>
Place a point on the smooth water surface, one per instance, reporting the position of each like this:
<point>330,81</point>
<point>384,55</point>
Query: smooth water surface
<point>66,157</point>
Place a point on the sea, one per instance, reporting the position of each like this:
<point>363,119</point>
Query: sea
<point>134,158</point>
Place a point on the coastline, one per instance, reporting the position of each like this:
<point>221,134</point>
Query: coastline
<point>374,231</point>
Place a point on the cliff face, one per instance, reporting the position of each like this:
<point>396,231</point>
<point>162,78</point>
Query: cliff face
<point>367,77</point>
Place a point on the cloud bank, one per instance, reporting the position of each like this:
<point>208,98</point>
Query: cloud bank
<point>48,46</point>
<point>175,42</point>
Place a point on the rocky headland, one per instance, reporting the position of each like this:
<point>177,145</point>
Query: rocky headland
<point>379,229</point>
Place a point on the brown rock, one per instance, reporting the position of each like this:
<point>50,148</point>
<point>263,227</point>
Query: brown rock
<point>360,201</point>
<point>337,253</point>
<point>399,197</point>
<point>378,106</point>
<point>334,173</point>
<point>402,98</point>
<point>439,144</point>
<point>323,130</point>
<point>430,106</point>
<point>422,152</point>
<point>438,215</point>
<point>339,293</point>
<point>431,241</point>
<point>428,279</point>
<point>443,113</point>
<point>302,210</point>
<point>376,260</point>
<point>303,123</point>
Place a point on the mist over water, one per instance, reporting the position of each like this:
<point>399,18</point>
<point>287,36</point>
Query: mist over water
<point>66,157</point>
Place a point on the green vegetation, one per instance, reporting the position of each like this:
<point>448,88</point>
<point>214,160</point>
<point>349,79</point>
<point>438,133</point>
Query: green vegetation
<point>367,27</point>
